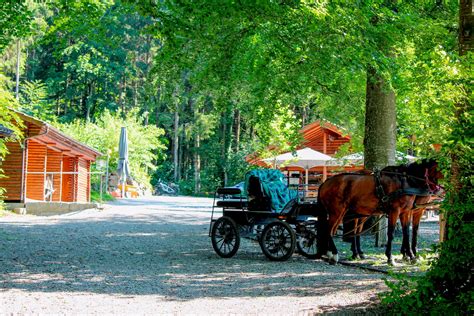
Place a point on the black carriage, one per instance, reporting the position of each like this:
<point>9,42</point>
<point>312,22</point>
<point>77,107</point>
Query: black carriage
<point>265,210</point>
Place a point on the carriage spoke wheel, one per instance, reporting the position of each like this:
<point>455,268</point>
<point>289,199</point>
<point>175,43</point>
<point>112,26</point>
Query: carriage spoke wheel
<point>278,241</point>
<point>225,237</point>
<point>307,242</point>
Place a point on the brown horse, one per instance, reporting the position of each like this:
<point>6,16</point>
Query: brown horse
<point>414,217</point>
<point>355,227</point>
<point>389,191</point>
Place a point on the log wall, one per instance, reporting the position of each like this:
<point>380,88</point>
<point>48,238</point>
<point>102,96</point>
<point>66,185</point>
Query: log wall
<point>35,163</point>
<point>83,181</point>
<point>11,167</point>
<point>54,165</point>
<point>68,179</point>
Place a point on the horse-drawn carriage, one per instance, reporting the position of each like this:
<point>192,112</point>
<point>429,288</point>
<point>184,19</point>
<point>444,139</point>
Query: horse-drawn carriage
<point>267,211</point>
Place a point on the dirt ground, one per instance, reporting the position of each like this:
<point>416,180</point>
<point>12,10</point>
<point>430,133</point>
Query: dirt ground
<point>153,256</point>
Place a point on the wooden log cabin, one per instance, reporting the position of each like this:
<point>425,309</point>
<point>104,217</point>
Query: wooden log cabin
<point>46,166</point>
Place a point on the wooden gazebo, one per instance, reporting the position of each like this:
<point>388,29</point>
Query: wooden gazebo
<point>46,166</point>
<point>322,136</point>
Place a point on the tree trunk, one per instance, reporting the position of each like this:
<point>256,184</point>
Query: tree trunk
<point>380,132</point>
<point>18,59</point>
<point>89,101</point>
<point>380,122</point>
<point>197,163</point>
<point>237,129</point>
<point>226,144</point>
<point>124,92</point>
<point>197,146</point>
<point>304,116</point>
<point>180,155</point>
<point>176,143</point>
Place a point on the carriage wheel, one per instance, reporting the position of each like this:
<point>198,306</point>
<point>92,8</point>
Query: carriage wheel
<point>278,241</point>
<point>225,237</point>
<point>307,242</point>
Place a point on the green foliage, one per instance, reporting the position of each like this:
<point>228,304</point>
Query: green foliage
<point>15,19</point>
<point>93,55</point>
<point>34,100</point>
<point>7,117</point>
<point>144,141</point>
<point>447,288</point>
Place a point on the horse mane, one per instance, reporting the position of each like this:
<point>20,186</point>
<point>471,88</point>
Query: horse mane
<point>418,168</point>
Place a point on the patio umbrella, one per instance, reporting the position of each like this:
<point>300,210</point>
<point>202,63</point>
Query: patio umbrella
<point>123,167</point>
<point>305,158</point>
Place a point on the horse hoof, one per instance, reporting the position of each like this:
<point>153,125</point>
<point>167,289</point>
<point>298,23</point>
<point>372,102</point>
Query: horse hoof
<point>335,258</point>
<point>413,260</point>
<point>361,256</point>
<point>405,258</point>
<point>355,257</point>
<point>391,262</point>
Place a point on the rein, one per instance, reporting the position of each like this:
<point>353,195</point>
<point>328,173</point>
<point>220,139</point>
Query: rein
<point>426,180</point>
<point>353,231</point>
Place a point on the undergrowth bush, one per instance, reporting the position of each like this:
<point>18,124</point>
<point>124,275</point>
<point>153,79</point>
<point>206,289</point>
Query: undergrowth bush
<point>447,287</point>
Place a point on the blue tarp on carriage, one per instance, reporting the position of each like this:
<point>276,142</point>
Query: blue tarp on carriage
<point>273,185</point>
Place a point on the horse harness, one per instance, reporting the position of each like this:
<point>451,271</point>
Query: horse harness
<point>385,199</point>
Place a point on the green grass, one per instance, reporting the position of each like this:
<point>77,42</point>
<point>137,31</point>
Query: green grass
<point>95,197</point>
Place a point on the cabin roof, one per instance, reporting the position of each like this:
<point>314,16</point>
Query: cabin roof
<point>54,138</point>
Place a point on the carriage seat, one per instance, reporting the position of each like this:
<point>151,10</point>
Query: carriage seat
<point>232,203</point>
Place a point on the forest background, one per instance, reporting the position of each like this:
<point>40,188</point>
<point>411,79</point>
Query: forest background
<point>201,86</point>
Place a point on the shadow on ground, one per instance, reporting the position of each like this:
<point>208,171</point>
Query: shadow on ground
<point>165,254</point>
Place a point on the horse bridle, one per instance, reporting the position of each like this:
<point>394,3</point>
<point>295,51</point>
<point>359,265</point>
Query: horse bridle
<point>426,180</point>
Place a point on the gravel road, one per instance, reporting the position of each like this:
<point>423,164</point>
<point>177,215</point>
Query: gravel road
<point>153,256</point>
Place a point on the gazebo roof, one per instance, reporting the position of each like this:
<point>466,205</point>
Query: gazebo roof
<point>313,135</point>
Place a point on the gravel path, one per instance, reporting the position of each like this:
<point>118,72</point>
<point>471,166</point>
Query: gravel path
<point>153,256</point>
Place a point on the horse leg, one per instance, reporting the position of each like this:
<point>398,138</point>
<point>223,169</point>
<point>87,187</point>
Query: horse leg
<point>334,221</point>
<point>406,242</point>
<point>392,220</point>
<point>323,231</point>
<point>357,240</point>
<point>405,249</point>
<point>417,215</point>
<point>355,253</point>
<point>359,250</point>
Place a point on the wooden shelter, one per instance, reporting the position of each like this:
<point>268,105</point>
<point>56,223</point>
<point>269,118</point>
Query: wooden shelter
<point>322,136</point>
<point>47,166</point>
